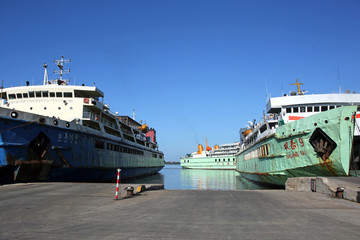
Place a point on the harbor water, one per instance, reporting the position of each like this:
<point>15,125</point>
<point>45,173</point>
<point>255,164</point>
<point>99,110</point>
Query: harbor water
<point>175,178</point>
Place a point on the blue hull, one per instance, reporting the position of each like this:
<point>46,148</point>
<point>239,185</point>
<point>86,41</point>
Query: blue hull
<point>33,151</point>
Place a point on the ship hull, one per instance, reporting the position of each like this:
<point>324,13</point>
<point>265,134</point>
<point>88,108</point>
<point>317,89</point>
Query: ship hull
<point>222,163</point>
<point>298,149</point>
<point>35,149</point>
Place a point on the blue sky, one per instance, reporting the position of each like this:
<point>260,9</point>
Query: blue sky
<point>190,69</point>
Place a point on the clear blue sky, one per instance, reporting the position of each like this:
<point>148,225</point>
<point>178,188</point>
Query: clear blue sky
<point>191,69</point>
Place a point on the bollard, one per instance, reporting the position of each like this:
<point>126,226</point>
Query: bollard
<point>339,192</point>
<point>117,184</point>
<point>129,191</point>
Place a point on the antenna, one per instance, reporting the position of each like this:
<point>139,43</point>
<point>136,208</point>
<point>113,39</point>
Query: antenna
<point>2,87</point>
<point>60,64</point>
<point>133,114</point>
<point>267,93</point>
<point>339,80</point>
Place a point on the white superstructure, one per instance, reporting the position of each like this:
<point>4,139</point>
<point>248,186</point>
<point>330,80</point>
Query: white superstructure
<point>299,105</point>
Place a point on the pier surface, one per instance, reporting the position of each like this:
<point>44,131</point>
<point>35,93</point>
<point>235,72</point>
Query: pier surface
<point>89,211</point>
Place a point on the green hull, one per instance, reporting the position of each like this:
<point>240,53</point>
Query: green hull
<point>294,149</point>
<point>225,163</point>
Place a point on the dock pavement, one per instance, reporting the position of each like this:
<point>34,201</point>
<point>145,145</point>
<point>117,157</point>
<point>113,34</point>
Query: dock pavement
<point>90,211</point>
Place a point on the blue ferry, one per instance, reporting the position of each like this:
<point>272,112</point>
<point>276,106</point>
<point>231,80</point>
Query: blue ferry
<point>61,132</point>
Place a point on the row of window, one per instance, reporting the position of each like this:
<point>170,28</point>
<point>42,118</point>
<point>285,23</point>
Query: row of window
<point>261,151</point>
<point>216,160</point>
<point>117,148</point>
<point>122,149</point>
<point>309,109</point>
<point>39,94</point>
<point>224,160</point>
<point>156,155</point>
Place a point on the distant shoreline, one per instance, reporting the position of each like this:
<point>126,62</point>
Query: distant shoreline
<point>172,162</point>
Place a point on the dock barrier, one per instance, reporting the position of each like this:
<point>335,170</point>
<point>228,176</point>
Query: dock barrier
<point>117,184</point>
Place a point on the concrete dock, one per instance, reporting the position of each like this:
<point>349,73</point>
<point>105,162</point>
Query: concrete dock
<point>89,211</point>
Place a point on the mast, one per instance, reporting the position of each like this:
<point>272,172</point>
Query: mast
<point>298,86</point>
<point>46,79</point>
<point>61,71</point>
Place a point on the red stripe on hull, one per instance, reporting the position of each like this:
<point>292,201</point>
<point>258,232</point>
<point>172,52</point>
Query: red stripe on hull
<point>295,117</point>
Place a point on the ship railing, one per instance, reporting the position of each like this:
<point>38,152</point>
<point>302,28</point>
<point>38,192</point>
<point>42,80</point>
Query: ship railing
<point>95,117</point>
<point>91,116</point>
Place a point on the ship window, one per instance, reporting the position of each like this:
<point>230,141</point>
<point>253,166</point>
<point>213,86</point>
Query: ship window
<point>25,95</point>
<point>215,160</point>
<point>19,95</point>
<point>288,110</point>
<point>45,93</point>
<point>31,94</point>
<point>68,94</point>
<point>228,159</point>
<point>263,128</point>
<point>224,159</point>
<point>233,159</point>
<point>12,96</point>
<point>99,144</point>
<point>38,94</point>
<point>316,108</point>
<point>338,106</point>
<point>295,109</point>
<point>58,94</point>
<point>302,109</point>
<point>324,108</point>
<point>309,109</point>
<point>52,94</point>
<point>332,107</point>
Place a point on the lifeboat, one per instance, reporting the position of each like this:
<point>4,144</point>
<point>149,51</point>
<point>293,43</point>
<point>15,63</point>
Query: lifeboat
<point>216,147</point>
<point>144,128</point>
<point>200,149</point>
<point>207,146</point>
<point>247,132</point>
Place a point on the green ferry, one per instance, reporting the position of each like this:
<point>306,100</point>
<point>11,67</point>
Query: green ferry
<point>302,136</point>
<point>220,157</point>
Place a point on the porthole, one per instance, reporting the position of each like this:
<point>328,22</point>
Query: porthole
<point>14,114</point>
<point>41,120</point>
<point>55,122</point>
<point>67,125</point>
<point>326,121</point>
